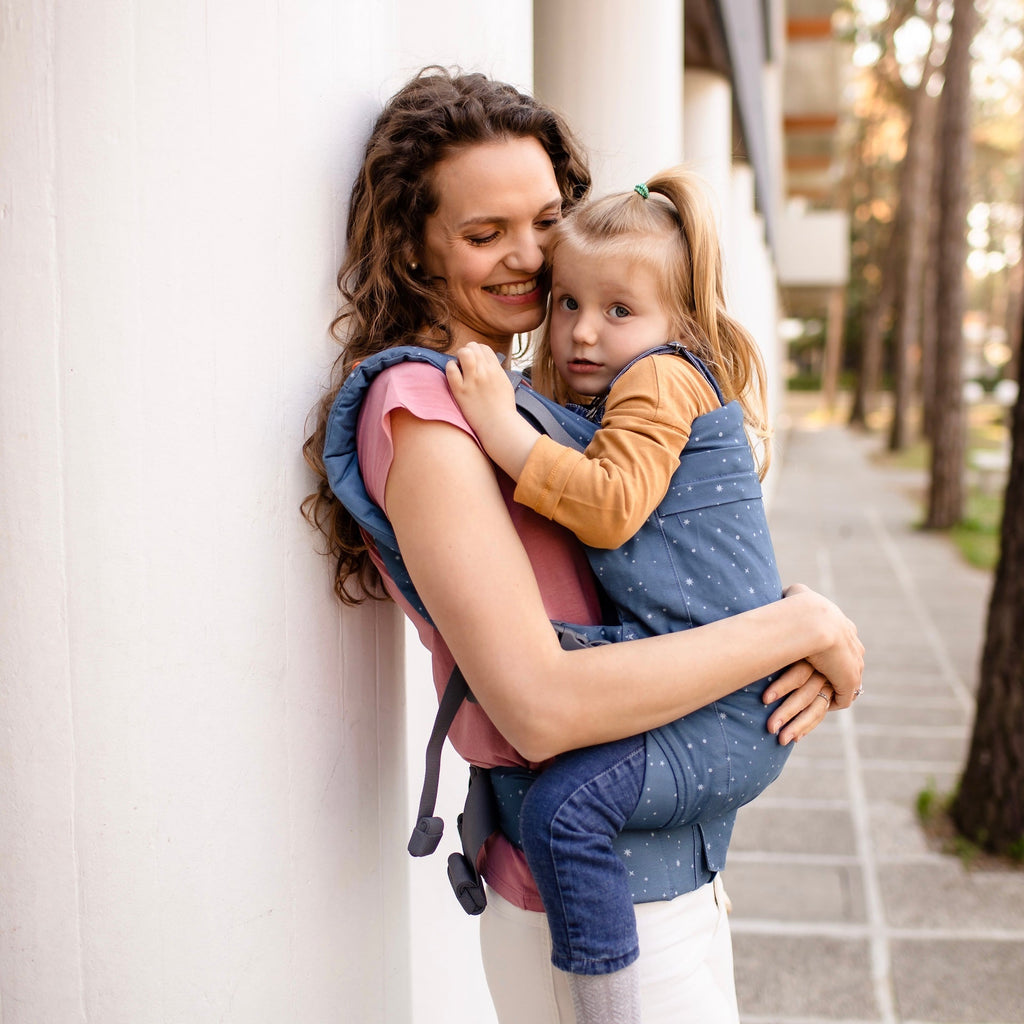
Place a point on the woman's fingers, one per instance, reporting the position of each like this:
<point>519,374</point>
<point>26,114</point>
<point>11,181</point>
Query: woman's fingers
<point>841,658</point>
<point>789,679</point>
<point>803,710</point>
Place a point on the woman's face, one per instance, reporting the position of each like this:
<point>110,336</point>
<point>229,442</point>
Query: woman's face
<point>497,203</point>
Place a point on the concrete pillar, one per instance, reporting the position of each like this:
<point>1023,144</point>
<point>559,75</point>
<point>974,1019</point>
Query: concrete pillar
<point>707,137</point>
<point>204,787</point>
<point>751,287</point>
<point>614,70</point>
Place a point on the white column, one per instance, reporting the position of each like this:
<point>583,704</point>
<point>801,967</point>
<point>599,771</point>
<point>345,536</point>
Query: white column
<point>614,69</point>
<point>751,289</point>
<point>204,791</point>
<point>707,136</point>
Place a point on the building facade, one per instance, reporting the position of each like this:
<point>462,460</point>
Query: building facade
<point>208,767</point>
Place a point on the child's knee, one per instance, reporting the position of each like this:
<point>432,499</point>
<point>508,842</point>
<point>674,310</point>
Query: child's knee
<point>538,813</point>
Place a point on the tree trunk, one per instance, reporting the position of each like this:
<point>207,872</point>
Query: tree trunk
<point>915,175</point>
<point>832,363</point>
<point>930,297</point>
<point>946,494</point>
<point>872,347</point>
<point>989,808</point>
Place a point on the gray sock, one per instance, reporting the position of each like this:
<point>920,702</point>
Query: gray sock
<point>607,998</point>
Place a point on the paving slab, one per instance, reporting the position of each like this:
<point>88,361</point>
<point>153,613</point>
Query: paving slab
<point>782,978</point>
<point>959,982</point>
<point>902,783</point>
<point>785,829</point>
<point>805,778</point>
<point>938,747</point>
<point>789,890</point>
<point>946,896</point>
<point>895,835</point>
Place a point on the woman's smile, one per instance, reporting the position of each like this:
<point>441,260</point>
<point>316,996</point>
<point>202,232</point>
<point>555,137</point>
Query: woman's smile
<point>522,290</point>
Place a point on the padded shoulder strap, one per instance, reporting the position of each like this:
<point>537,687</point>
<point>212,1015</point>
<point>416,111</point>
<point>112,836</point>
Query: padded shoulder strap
<point>342,462</point>
<point>563,425</point>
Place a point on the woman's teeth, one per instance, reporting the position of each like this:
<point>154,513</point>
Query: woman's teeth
<point>522,288</point>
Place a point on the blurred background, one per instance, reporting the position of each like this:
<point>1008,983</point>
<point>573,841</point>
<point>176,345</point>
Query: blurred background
<point>208,770</point>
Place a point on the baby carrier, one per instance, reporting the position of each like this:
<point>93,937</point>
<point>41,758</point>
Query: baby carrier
<point>716,470</point>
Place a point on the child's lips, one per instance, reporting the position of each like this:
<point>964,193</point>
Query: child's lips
<point>583,366</point>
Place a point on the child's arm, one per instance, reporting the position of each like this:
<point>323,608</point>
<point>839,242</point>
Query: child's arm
<point>487,400</point>
<point>605,493</point>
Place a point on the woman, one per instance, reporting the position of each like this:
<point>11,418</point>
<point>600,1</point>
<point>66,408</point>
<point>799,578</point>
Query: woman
<point>462,180</point>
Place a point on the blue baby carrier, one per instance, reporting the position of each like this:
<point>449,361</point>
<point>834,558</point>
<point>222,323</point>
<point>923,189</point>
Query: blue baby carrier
<point>672,566</point>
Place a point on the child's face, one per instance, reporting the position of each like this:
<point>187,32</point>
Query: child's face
<point>605,311</point>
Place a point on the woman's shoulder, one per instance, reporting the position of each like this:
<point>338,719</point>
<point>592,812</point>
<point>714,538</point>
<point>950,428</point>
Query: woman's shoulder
<point>417,388</point>
<point>420,388</point>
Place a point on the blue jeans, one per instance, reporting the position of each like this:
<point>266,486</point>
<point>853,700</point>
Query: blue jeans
<point>570,816</point>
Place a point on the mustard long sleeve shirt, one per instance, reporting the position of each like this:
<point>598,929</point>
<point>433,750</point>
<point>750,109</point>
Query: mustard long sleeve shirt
<point>605,493</point>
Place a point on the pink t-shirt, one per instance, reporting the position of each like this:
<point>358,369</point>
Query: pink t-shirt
<point>558,561</point>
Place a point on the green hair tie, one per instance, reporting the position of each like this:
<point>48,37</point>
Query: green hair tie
<point>642,189</point>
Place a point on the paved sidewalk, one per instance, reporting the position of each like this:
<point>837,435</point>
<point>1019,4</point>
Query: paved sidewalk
<point>843,913</point>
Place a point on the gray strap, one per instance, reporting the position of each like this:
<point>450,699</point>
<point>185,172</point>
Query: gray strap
<point>527,401</point>
<point>429,828</point>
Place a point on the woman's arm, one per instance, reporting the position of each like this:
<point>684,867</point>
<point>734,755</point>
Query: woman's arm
<point>474,576</point>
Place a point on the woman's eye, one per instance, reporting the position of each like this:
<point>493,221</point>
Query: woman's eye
<point>483,240</point>
<point>547,223</point>
<point>619,312</point>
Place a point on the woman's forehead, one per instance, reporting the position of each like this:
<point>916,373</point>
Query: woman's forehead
<point>487,180</point>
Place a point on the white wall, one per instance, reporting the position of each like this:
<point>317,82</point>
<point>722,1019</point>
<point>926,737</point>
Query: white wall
<point>446,976</point>
<point>614,69</point>
<point>707,139</point>
<point>203,785</point>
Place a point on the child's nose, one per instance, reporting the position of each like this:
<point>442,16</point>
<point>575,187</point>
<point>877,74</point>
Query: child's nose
<point>584,330</point>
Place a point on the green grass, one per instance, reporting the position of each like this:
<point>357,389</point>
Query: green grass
<point>977,535</point>
<point>934,812</point>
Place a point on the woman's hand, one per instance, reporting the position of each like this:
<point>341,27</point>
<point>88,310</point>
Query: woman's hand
<point>808,697</point>
<point>838,654</point>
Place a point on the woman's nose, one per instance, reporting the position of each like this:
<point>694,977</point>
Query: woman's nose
<point>526,252</point>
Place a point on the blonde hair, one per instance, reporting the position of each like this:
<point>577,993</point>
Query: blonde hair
<point>672,232</point>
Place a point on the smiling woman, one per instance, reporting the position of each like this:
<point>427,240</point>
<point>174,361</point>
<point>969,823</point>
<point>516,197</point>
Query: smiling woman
<point>462,182</point>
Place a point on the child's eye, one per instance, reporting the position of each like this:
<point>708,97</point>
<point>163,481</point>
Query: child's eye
<point>568,303</point>
<point>619,312</point>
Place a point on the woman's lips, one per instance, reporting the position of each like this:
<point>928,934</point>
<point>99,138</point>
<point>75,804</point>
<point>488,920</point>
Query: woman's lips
<point>526,292</point>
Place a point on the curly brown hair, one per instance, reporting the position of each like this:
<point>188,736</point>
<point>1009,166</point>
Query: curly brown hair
<point>385,300</point>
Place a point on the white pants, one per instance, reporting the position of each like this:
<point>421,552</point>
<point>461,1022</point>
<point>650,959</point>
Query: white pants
<point>685,962</point>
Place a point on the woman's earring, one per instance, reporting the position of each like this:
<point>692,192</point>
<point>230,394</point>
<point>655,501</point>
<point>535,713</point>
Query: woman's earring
<point>413,266</point>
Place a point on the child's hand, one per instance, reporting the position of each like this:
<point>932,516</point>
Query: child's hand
<point>487,400</point>
<point>481,387</point>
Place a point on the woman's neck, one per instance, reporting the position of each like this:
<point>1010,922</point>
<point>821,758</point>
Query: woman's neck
<point>502,346</point>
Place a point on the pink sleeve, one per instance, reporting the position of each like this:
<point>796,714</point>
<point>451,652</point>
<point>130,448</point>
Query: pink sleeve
<point>419,388</point>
